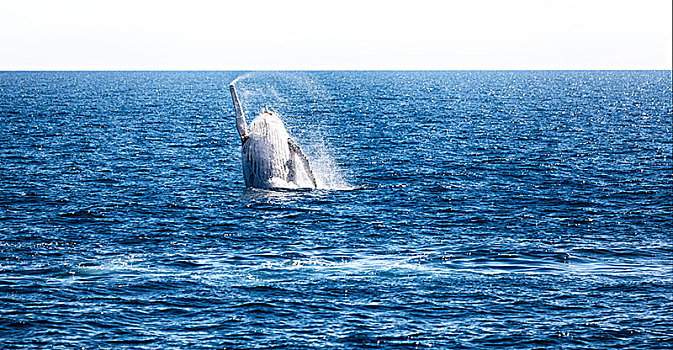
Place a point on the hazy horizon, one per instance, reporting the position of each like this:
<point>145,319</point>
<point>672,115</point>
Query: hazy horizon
<point>77,35</point>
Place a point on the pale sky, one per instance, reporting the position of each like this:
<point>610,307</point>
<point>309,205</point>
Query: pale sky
<point>344,34</point>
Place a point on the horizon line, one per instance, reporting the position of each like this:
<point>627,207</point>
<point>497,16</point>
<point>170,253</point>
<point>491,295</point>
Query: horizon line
<point>331,70</point>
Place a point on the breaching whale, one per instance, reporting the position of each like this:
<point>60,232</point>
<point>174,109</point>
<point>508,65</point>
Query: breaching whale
<point>270,157</point>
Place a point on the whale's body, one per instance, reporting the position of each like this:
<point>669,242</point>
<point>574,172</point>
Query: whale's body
<point>269,156</point>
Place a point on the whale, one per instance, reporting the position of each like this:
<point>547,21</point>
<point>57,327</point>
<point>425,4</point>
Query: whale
<point>270,157</point>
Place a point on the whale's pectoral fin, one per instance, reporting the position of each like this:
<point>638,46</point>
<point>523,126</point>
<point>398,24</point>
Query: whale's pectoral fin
<point>241,125</point>
<point>295,149</point>
<point>291,168</point>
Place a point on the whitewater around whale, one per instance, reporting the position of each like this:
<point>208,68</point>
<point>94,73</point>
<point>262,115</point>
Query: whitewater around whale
<point>270,157</point>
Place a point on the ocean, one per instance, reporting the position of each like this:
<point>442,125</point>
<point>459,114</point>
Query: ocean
<point>457,210</point>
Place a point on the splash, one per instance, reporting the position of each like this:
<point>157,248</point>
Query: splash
<point>328,173</point>
<point>289,94</point>
<point>240,77</point>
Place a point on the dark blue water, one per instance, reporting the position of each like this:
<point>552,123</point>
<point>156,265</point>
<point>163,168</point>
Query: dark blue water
<point>463,210</point>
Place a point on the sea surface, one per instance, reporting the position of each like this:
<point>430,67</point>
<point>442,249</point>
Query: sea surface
<point>457,210</point>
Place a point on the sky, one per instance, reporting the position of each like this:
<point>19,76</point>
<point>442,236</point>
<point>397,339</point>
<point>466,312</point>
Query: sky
<point>334,35</point>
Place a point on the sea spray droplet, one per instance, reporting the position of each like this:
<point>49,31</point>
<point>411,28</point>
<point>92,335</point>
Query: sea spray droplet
<point>330,175</point>
<point>240,77</point>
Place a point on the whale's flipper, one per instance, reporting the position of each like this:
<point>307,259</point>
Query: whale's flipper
<point>241,125</point>
<point>295,149</point>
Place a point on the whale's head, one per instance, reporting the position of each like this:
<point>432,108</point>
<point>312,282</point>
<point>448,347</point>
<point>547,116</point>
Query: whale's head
<point>268,123</point>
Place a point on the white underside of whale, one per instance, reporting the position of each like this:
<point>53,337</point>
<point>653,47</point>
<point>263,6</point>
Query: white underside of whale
<point>270,158</point>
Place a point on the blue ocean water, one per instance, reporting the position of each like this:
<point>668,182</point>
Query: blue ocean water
<point>460,210</point>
